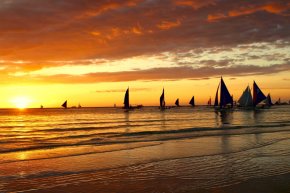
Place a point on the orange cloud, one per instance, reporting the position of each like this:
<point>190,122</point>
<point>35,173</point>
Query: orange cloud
<point>118,29</point>
<point>274,8</point>
<point>165,25</point>
<point>271,8</point>
<point>195,4</point>
<point>216,16</point>
<point>109,5</point>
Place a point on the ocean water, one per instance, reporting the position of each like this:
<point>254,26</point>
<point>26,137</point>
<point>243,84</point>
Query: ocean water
<point>145,150</point>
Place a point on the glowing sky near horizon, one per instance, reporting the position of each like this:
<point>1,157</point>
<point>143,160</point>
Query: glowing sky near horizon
<point>89,52</point>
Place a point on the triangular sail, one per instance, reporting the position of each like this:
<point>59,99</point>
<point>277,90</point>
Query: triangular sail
<point>268,100</point>
<point>278,102</point>
<point>177,102</point>
<point>246,99</point>
<point>162,100</point>
<point>64,105</point>
<point>216,102</point>
<point>243,98</point>
<point>225,97</point>
<point>209,101</point>
<point>258,95</point>
<point>126,99</point>
<point>249,101</point>
<point>191,102</point>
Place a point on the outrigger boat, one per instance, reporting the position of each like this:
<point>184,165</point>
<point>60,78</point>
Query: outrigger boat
<point>127,105</point>
<point>225,100</point>
<point>191,102</point>
<point>162,101</point>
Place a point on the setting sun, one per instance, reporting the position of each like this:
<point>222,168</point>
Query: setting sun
<point>21,102</point>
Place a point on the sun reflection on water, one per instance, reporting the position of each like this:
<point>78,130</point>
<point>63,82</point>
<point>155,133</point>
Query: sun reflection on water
<point>22,156</point>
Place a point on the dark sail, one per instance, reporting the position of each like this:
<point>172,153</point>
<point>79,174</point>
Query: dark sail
<point>126,100</point>
<point>225,97</point>
<point>177,102</point>
<point>209,101</point>
<point>216,102</point>
<point>191,102</point>
<point>268,100</point>
<point>64,105</point>
<point>258,95</point>
<point>278,102</point>
<point>162,100</point>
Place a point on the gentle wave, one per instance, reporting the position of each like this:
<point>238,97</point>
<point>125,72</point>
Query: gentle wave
<point>143,136</point>
<point>157,160</point>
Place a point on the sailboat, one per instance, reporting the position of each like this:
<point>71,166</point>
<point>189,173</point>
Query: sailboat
<point>209,101</point>
<point>177,103</point>
<point>191,102</point>
<point>278,102</point>
<point>126,100</point>
<point>268,101</point>
<point>246,99</point>
<point>258,95</point>
<point>64,105</point>
<point>79,106</point>
<point>225,97</point>
<point>162,100</point>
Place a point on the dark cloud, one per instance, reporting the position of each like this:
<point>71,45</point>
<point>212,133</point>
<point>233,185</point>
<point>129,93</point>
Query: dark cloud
<point>44,30</point>
<point>215,63</point>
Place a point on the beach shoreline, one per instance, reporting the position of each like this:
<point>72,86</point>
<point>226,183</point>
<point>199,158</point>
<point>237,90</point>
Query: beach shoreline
<point>146,151</point>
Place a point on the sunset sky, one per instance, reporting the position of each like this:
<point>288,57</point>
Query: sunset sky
<point>90,51</point>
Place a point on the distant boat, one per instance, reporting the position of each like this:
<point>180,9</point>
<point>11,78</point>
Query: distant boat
<point>191,102</point>
<point>278,102</point>
<point>177,103</point>
<point>258,95</point>
<point>126,100</point>
<point>162,100</point>
<point>225,97</point>
<point>209,101</point>
<point>268,100</point>
<point>64,105</point>
<point>246,99</point>
<point>79,106</point>
<point>41,106</point>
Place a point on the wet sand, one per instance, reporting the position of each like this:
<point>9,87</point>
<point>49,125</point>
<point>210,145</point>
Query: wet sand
<point>222,164</point>
<point>272,184</point>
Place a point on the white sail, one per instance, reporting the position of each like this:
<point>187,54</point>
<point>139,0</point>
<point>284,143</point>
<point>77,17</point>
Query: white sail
<point>246,99</point>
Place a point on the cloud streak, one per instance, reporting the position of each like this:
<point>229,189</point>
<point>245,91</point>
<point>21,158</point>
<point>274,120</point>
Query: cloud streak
<point>155,74</point>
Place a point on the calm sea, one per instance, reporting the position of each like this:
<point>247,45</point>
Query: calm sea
<point>141,150</point>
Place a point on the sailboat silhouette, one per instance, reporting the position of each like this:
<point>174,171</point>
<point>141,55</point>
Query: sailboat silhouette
<point>209,101</point>
<point>126,100</point>
<point>191,102</point>
<point>64,105</point>
<point>177,103</point>
<point>162,100</point>
<point>225,98</point>
<point>268,101</point>
<point>246,100</point>
<point>258,95</point>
